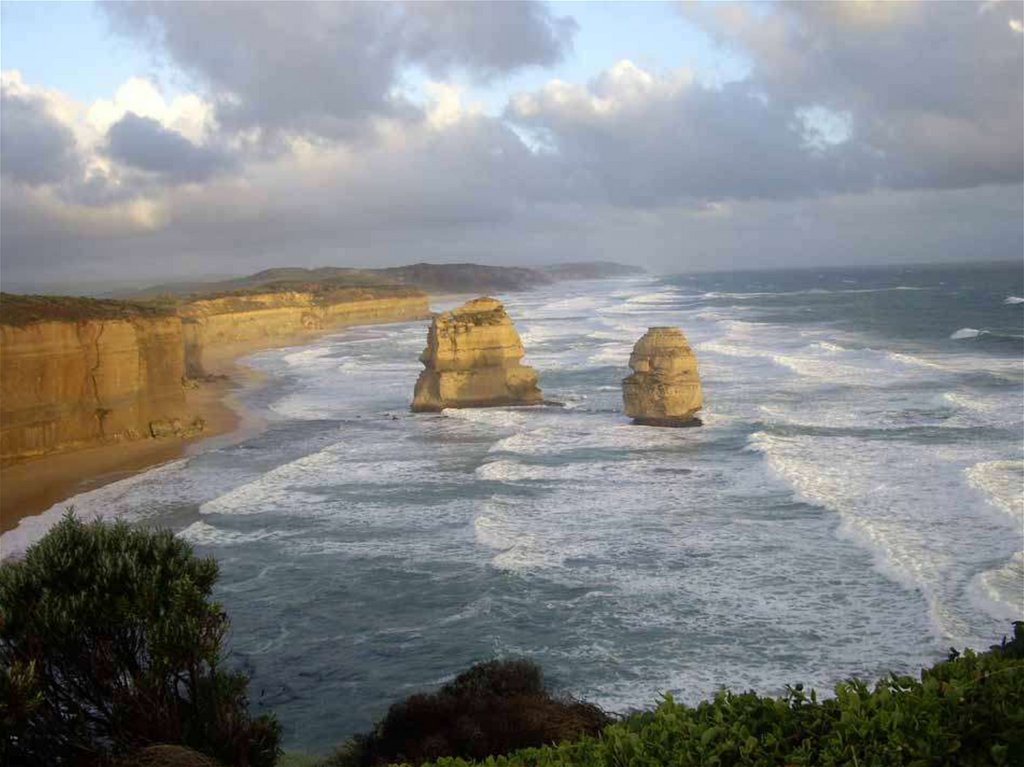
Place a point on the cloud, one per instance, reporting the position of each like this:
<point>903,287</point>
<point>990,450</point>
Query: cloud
<point>487,40</point>
<point>645,139</point>
<point>144,144</point>
<point>324,68</point>
<point>186,114</point>
<point>863,133</point>
<point>935,91</point>
<point>36,148</point>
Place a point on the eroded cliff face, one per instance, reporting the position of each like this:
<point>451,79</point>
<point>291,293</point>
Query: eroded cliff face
<point>212,325</point>
<point>77,372</point>
<point>664,389</point>
<point>66,384</point>
<point>472,359</point>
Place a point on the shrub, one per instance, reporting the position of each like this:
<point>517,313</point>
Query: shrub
<point>109,643</point>
<point>493,708</point>
<point>968,710</point>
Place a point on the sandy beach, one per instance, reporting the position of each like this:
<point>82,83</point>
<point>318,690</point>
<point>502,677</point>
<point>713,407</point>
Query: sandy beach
<point>32,486</point>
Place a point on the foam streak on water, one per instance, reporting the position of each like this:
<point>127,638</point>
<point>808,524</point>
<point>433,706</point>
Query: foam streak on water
<point>853,504</point>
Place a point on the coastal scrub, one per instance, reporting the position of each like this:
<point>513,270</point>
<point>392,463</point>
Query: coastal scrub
<point>110,643</point>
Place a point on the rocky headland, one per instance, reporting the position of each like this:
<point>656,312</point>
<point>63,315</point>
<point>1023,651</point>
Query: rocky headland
<point>664,389</point>
<point>472,359</point>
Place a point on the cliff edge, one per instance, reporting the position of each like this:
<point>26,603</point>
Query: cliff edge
<point>664,389</point>
<point>472,359</point>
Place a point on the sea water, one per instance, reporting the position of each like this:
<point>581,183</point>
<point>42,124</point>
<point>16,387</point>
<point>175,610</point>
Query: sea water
<point>853,504</point>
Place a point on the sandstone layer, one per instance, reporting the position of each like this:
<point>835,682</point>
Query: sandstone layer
<point>472,359</point>
<point>664,389</point>
<point>78,372</point>
<point>66,384</point>
<point>213,325</point>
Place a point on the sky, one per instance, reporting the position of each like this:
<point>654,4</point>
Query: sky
<point>152,141</point>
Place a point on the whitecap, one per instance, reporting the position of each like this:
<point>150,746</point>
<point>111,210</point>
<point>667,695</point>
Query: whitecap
<point>1002,482</point>
<point>204,534</point>
<point>102,503</point>
<point>878,489</point>
<point>963,333</point>
<point>1000,591</point>
<point>1013,300</point>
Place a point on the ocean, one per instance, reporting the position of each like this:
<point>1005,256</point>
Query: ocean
<point>853,504</point>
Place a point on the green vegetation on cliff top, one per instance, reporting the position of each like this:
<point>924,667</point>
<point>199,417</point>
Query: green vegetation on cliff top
<point>24,310</point>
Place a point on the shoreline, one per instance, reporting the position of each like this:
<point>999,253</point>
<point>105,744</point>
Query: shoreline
<point>31,487</point>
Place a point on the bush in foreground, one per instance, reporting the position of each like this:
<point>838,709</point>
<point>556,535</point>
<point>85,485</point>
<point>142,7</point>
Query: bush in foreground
<point>109,644</point>
<point>493,708</point>
<point>968,710</point>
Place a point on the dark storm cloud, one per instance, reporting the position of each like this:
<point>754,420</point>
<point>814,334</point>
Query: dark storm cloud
<point>323,67</point>
<point>145,144</point>
<point>35,148</point>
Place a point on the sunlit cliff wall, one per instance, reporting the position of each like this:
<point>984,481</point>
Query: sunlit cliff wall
<point>72,383</point>
<point>214,325</point>
<point>79,379</point>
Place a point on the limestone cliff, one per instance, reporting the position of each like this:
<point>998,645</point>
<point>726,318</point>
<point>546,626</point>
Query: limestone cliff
<point>212,324</point>
<point>76,372</point>
<point>664,389</point>
<point>472,359</point>
<point>67,383</point>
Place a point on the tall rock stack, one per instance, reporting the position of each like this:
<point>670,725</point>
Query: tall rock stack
<point>472,359</point>
<point>664,389</point>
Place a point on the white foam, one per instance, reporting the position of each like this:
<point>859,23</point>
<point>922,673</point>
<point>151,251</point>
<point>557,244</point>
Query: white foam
<point>203,534</point>
<point>107,502</point>
<point>1000,591</point>
<point>810,291</point>
<point>907,503</point>
<point>1013,300</point>
<point>501,417</point>
<point>969,402</point>
<point>611,354</point>
<point>1002,482</point>
<point>963,333</point>
<point>998,367</point>
<point>662,297</point>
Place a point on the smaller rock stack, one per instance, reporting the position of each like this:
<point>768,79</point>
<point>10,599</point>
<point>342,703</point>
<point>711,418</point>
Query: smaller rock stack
<point>472,360</point>
<point>664,389</point>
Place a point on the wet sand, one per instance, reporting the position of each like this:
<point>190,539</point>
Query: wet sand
<point>34,485</point>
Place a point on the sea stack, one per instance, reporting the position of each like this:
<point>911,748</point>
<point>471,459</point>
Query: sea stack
<point>664,389</point>
<point>472,360</point>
